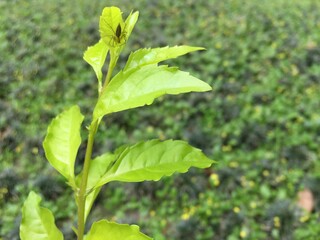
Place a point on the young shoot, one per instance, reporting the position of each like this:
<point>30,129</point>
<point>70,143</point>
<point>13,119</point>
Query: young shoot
<point>139,83</point>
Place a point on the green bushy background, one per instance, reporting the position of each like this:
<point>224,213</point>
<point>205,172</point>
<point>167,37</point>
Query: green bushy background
<point>261,121</point>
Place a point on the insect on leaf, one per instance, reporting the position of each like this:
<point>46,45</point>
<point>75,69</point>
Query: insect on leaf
<point>112,27</point>
<point>113,30</point>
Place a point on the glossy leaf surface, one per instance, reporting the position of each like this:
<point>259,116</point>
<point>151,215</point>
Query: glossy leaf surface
<point>141,86</point>
<point>147,56</point>
<point>37,222</point>
<point>104,230</point>
<point>63,140</point>
<point>152,160</point>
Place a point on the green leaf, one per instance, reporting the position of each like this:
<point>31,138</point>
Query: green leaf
<point>37,222</point>
<point>113,30</point>
<point>98,167</point>
<point>140,86</point>
<point>89,201</point>
<point>63,140</point>
<point>96,56</point>
<point>130,23</point>
<point>152,160</point>
<point>104,230</point>
<point>147,56</point>
<point>110,23</point>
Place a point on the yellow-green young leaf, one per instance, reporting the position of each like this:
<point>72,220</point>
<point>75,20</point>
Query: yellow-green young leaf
<point>152,160</point>
<point>130,23</point>
<point>113,30</point>
<point>37,222</point>
<point>104,230</point>
<point>63,140</point>
<point>96,56</point>
<point>140,86</point>
<point>147,56</point>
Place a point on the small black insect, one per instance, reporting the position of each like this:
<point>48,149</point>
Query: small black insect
<point>118,31</point>
<point>117,36</point>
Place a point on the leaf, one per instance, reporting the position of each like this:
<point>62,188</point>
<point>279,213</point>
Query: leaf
<point>152,160</point>
<point>96,56</point>
<point>98,167</point>
<point>140,86</point>
<point>147,56</point>
<point>130,23</point>
<point>63,140</point>
<point>110,21</point>
<point>104,230</point>
<point>90,200</point>
<point>113,30</point>
<point>37,222</point>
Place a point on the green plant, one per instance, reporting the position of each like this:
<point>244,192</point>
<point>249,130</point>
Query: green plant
<point>137,84</point>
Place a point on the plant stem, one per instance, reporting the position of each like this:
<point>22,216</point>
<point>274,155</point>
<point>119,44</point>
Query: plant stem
<point>113,61</point>
<point>82,195</point>
<point>83,187</point>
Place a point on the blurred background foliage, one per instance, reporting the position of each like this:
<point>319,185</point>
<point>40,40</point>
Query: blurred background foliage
<point>261,121</point>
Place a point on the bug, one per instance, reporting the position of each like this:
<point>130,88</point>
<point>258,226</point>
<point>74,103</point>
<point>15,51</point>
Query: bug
<point>114,37</point>
<point>118,31</point>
